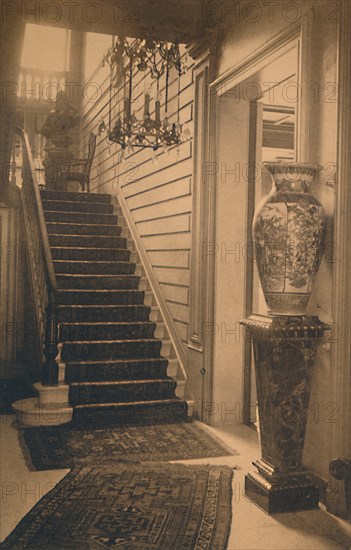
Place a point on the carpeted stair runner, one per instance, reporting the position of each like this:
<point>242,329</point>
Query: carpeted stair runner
<point>113,363</point>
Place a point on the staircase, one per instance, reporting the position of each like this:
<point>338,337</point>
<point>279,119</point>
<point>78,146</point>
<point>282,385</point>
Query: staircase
<point>113,362</point>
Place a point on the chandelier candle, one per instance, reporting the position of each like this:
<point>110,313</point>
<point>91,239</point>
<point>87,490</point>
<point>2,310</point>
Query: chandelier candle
<point>127,110</point>
<point>147,105</point>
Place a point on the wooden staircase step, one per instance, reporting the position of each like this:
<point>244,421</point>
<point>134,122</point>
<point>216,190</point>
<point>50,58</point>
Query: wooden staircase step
<point>118,369</point>
<point>107,331</point>
<point>123,391</point>
<point>100,296</point>
<point>142,412</point>
<point>110,349</point>
<point>96,267</point>
<point>78,206</point>
<point>87,241</point>
<point>96,313</point>
<point>89,254</point>
<point>58,228</point>
<point>97,281</point>
<point>80,217</point>
<point>71,196</point>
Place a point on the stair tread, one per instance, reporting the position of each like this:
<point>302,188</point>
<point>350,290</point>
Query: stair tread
<point>46,202</point>
<point>113,361</point>
<point>97,275</point>
<point>128,403</point>
<point>83,224</point>
<point>124,340</point>
<point>108,323</point>
<point>100,297</point>
<point>93,262</point>
<point>74,202</point>
<point>106,306</point>
<point>78,212</point>
<point>93,291</point>
<point>80,236</point>
<point>46,192</point>
<point>90,253</point>
<point>123,382</point>
<point>89,249</point>
<point>89,218</point>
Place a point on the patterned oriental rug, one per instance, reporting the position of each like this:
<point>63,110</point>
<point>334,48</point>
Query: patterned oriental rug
<point>65,447</point>
<point>157,506</point>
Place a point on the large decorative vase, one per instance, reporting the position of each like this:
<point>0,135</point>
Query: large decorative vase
<point>288,231</point>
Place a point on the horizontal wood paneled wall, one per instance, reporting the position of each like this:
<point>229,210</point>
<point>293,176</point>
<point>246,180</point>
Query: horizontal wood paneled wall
<point>158,192</point>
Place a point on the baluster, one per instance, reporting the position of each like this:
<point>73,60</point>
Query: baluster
<point>13,164</point>
<point>50,369</point>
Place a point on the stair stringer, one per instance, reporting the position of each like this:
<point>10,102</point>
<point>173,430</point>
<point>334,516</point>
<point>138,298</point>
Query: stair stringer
<point>172,348</point>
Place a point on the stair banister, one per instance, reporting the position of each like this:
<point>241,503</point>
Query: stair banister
<point>41,266</point>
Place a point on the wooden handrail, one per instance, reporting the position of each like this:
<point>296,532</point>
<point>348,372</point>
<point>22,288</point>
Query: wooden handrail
<point>29,171</point>
<point>43,276</point>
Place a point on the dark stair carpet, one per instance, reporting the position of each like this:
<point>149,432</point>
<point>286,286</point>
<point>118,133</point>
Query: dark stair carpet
<point>113,363</point>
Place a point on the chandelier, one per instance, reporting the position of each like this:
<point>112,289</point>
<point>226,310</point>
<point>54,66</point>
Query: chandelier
<point>157,59</point>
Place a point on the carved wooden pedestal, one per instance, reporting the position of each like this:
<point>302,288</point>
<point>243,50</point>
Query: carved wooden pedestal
<point>57,154</point>
<point>284,352</point>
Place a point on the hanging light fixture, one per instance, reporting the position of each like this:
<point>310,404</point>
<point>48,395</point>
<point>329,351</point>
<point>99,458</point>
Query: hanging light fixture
<point>158,58</point>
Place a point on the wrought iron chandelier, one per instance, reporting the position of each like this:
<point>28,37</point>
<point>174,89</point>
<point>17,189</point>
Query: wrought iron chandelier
<point>158,58</point>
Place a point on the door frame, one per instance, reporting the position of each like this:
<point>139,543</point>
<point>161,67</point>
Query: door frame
<point>341,350</point>
<point>299,34</point>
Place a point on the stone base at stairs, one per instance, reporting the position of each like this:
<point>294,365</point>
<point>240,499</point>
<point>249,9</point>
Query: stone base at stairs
<point>51,408</point>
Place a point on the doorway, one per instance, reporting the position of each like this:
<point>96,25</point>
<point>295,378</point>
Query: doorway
<point>256,122</point>
<point>275,114</point>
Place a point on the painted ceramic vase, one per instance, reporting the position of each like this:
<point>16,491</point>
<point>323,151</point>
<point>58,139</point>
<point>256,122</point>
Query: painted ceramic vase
<point>288,230</point>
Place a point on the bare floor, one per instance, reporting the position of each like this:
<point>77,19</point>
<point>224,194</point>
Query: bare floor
<point>251,528</point>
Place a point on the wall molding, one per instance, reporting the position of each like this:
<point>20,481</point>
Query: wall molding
<point>256,60</point>
<point>303,115</point>
<point>209,236</point>
<point>341,349</point>
<point>197,286</point>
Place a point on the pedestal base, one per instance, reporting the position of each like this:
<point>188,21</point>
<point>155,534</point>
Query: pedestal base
<point>284,351</point>
<point>292,495</point>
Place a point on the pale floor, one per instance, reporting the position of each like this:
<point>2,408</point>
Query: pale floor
<point>252,529</point>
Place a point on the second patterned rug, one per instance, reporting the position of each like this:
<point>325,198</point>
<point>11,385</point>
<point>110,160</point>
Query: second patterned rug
<point>132,507</point>
<point>66,447</point>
